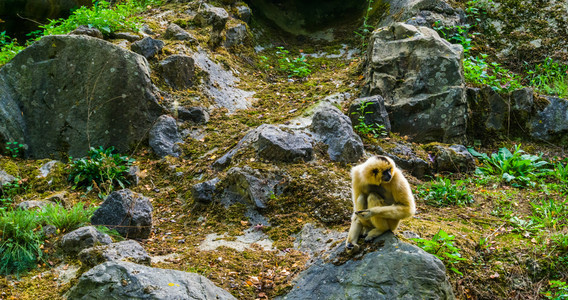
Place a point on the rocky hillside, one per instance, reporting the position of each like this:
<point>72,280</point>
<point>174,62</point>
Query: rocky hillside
<point>205,152</point>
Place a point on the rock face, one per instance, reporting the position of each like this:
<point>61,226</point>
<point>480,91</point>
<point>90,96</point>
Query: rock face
<point>423,13</point>
<point>420,76</point>
<point>334,129</point>
<point>198,115</point>
<point>235,35</point>
<point>406,159</point>
<point>551,123</point>
<point>373,111</point>
<point>82,238</point>
<point>5,177</point>
<point>128,212</point>
<point>203,192</point>
<point>122,251</point>
<point>211,15</point>
<point>250,186</point>
<point>395,271</point>
<point>275,144</point>
<point>66,93</point>
<point>164,137</point>
<point>124,280</point>
<point>174,32</point>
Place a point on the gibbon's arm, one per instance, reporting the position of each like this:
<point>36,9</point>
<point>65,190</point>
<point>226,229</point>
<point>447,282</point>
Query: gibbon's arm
<point>403,206</point>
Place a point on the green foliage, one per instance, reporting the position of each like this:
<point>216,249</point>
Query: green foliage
<point>8,48</point>
<point>560,172</point>
<point>21,234</point>
<point>550,213</point>
<point>14,148</point>
<point>102,169</point>
<point>517,168</point>
<point>455,35</point>
<point>67,220</point>
<point>376,130</point>
<point>294,67</point>
<point>478,71</point>
<point>103,16</point>
<point>558,290</point>
<point>550,77</point>
<point>442,246</point>
<point>7,192</point>
<point>443,192</point>
<point>365,30</point>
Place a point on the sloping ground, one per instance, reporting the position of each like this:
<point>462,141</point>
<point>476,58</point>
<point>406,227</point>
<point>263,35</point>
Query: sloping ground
<point>505,257</point>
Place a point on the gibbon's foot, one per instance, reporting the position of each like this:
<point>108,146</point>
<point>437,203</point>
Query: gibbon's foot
<point>364,214</point>
<point>374,234</point>
<point>352,248</point>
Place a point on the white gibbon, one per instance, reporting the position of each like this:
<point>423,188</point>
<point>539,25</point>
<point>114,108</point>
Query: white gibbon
<point>381,197</point>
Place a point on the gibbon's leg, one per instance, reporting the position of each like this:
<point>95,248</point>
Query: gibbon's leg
<point>380,224</point>
<point>393,224</point>
<point>353,236</point>
<point>356,224</point>
<point>388,212</point>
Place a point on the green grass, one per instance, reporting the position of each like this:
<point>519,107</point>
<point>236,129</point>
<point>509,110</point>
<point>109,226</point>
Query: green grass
<point>442,192</point>
<point>21,233</point>
<point>550,78</point>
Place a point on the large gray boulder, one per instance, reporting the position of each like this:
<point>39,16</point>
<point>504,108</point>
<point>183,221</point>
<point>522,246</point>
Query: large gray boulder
<point>128,250</point>
<point>5,177</point>
<point>333,128</point>
<point>275,144</point>
<point>147,47</point>
<point>64,94</point>
<point>551,123</point>
<point>164,137</point>
<point>128,212</point>
<point>83,238</point>
<point>420,76</point>
<point>125,280</point>
<point>212,15</point>
<point>396,270</point>
<point>406,159</point>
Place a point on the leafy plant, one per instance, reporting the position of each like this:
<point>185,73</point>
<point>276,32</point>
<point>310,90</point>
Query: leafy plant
<point>443,192</point>
<point>550,77</point>
<point>376,130</point>
<point>294,67</point>
<point>442,246</point>
<point>365,29</point>
<point>558,290</point>
<point>14,148</point>
<point>8,191</point>
<point>480,72</point>
<point>102,169</point>
<point>102,15</point>
<point>516,167</point>
<point>8,48</point>
<point>560,171</point>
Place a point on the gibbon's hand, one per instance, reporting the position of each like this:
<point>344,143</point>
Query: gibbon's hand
<point>364,214</point>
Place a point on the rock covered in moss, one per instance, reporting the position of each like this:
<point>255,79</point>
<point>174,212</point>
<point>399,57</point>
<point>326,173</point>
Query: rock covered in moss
<point>212,15</point>
<point>249,186</point>
<point>198,115</point>
<point>235,34</point>
<point>406,159</point>
<point>164,137</point>
<point>333,128</point>
<point>5,177</point>
<point>454,158</point>
<point>274,144</point>
<point>203,192</point>
<point>66,92</point>
<point>147,47</point>
<point>551,123</point>
<point>128,212</point>
<point>128,250</point>
<point>86,30</point>
<point>396,270</point>
<point>244,13</point>
<point>420,76</point>
<point>178,71</point>
<point>125,280</point>
<point>175,32</point>
<point>83,238</point>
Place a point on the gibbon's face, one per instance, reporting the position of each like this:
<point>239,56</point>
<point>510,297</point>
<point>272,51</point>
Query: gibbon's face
<point>381,169</point>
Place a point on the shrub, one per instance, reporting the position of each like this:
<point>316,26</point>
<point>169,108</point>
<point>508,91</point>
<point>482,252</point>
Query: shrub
<point>102,169</point>
<point>102,16</point>
<point>294,67</point>
<point>8,48</point>
<point>550,77</point>
<point>443,192</point>
<point>516,167</point>
<point>442,246</point>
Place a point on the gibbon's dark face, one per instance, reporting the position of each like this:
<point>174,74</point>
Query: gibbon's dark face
<point>387,175</point>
